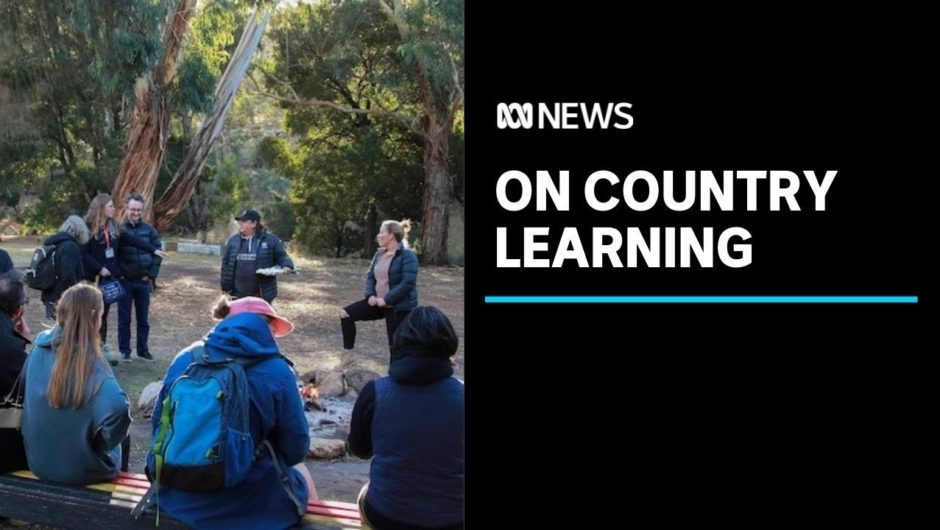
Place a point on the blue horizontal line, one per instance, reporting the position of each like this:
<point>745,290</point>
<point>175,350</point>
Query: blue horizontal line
<point>700,299</point>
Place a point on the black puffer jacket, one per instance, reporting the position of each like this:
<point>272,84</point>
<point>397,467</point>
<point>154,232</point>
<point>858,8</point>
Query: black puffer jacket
<point>270,253</point>
<point>96,252</point>
<point>12,358</point>
<point>68,265</point>
<point>136,263</point>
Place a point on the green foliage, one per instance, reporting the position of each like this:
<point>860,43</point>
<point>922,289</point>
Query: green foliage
<point>211,38</point>
<point>340,163</point>
<point>65,194</point>
<point>73,64</point>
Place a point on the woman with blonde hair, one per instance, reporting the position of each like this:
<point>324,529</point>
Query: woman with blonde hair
<point>391,290</point>
<point>101,252</point>
<point>75,415</point>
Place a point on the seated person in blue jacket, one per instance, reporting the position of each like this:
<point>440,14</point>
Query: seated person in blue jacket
<point>412,425</point>
<point>273,494</point>
<point>75,416</point>
<point>391,289</point>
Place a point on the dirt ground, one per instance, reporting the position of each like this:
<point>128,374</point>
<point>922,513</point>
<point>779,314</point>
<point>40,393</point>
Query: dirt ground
<point>187,288</point>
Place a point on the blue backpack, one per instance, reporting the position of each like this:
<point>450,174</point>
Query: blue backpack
<point>204,441</point>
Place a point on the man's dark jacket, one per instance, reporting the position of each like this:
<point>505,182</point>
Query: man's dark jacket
<point>270,253</point>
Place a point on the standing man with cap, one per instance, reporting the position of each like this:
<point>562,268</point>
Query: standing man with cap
<point>251,249</point>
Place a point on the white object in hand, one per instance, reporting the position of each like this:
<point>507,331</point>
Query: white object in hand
<point>272,271</point>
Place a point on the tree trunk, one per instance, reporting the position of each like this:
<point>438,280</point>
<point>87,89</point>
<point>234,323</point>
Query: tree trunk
<point>145,146</point>
<point>438,184</point>
<point>174,200</point>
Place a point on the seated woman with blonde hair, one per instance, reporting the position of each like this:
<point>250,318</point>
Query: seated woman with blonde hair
<point>75,415</point>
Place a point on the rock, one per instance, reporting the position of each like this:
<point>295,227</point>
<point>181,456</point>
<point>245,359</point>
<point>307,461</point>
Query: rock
<point>148,397</point>
<point>348,359</point>
<point>323,448</point>
<point>330,384</point>
<point>10,230</point>
<point>358,377</point>
<point>310,376</point>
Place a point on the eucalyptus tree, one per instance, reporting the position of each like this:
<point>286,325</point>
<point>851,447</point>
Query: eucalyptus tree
<point>401,62</point>
<point>73,64</point>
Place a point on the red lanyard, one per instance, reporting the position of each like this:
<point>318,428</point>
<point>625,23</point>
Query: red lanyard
<point>107,236</point>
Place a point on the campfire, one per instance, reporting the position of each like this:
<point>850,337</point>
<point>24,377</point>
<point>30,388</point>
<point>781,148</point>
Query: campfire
<point>310,395</point>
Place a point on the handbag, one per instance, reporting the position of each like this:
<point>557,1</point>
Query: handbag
<point>111,291</point>
<point>11,408</point>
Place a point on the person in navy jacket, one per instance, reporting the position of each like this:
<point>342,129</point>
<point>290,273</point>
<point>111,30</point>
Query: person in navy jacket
<point>264,499</point>
<point>391,290</point>
<point>412,425</point>
<point>251,249</point>
<point>14,338</point>
<point>138,271</point>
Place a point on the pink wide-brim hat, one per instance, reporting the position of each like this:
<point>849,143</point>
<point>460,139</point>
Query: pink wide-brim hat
<point>251,304</point>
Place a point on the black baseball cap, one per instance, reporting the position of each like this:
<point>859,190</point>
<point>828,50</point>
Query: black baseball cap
<point>249,215</point>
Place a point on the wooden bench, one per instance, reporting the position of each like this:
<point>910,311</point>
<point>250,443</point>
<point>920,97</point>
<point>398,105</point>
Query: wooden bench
<point>109,504</point>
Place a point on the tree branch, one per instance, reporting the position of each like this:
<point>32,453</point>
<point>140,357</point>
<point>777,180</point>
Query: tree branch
<point>457,102</point>
<point>397,20</point>
<point>410,122</point>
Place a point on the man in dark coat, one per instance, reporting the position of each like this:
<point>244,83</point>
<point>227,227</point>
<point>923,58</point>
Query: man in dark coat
<point>138,270</point>
<point>253,248</point>
<point>14,337</point>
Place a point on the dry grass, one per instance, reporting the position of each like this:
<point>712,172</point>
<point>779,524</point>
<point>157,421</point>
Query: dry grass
<point>188,286</point>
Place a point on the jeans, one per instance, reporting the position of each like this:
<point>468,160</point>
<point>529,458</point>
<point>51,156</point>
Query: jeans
<point>138,294</point>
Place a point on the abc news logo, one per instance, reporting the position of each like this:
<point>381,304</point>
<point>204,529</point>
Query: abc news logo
<point>563,116</point>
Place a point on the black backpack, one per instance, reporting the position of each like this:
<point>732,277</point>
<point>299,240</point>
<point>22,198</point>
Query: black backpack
<point>41,273</point>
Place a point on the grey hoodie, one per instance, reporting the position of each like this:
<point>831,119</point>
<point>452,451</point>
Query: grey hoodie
<point>72,446</point>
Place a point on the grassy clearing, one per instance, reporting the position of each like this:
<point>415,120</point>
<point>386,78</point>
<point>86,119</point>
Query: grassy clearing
<point>189,285</point>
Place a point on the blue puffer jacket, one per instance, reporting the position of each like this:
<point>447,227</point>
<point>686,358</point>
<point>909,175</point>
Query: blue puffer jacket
<point>277,413</point>
<point>402,279</point>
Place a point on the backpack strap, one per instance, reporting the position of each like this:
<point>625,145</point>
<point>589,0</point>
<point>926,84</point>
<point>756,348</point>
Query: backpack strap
<point>285,478</point>
<point>301,505</point>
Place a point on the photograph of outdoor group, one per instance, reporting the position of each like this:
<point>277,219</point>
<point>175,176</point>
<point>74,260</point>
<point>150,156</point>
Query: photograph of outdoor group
<point>231,264</point>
